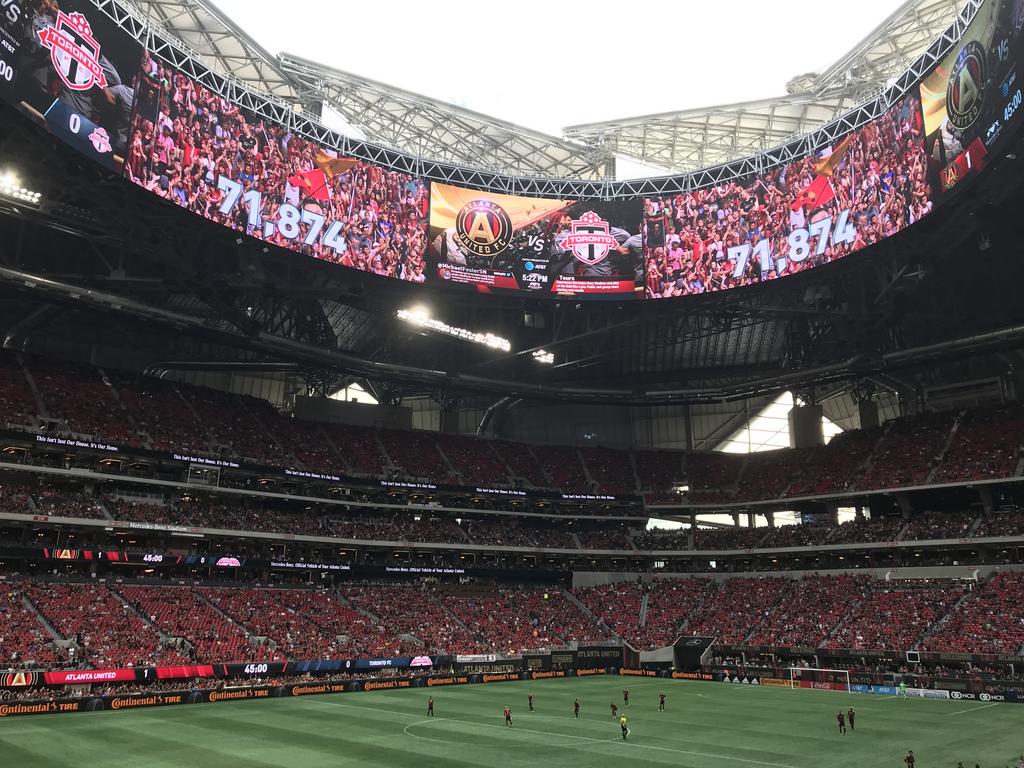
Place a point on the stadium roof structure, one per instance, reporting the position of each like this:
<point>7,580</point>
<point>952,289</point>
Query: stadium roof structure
<point>433,129</point>
<point>698,138</point>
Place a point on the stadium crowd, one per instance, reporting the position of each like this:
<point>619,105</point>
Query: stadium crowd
<point>123,409</point>
<point>278,516</point>
<point>115,625</point>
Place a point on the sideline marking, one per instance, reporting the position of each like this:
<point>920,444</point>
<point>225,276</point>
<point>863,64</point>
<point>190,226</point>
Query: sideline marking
<point>972,709</point>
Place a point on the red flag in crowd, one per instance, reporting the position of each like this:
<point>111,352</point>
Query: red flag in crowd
<point>815,195</point>
<point>312,184</point>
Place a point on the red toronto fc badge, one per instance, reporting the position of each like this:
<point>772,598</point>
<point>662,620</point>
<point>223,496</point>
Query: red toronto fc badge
<point>74,51</point>
<point>589,240</point>
<point>100,140</point>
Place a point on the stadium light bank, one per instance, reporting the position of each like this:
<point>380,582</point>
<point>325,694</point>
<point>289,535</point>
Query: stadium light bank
<point>419,316</point>
<point>11,189</point>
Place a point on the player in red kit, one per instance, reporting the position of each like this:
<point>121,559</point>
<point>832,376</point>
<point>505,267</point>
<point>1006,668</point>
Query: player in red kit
<point>661,701</point>
<point>615,710</point>
<point>842,722</point>
<point>849,716</point>
<point>909,759</point>
<point>508,716</point>
<point>625,697</point>
<point>430,706</point>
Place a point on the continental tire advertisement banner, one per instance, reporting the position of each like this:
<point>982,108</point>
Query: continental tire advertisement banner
<point>313,688</point>
<point>248,693</point>
<point>692,676</point>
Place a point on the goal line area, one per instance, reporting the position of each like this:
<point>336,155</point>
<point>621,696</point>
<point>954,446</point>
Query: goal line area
<point>821,678</point>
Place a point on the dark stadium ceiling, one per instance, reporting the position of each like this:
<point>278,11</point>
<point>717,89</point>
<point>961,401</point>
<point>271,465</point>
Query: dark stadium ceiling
<point>103,265</point>
<point>677,141</point>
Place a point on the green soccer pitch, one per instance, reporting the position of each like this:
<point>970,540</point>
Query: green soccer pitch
<point>705,725</point>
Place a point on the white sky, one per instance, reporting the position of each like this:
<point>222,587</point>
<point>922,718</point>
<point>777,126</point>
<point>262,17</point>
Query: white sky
<point>546,64</point>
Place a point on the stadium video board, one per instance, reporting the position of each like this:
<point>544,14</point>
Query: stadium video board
<point>192,147</point>
<point>972,97</point>
<point>70,68</point>
<point>506,243</point>
<point>867,186</point>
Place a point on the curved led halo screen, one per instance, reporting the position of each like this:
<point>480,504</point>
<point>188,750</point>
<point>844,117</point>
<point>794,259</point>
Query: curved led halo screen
<point>971,97</point>
<point>201,152</point>
<point>869,185</point>
<point>76,73</point>
<point>73,71</point>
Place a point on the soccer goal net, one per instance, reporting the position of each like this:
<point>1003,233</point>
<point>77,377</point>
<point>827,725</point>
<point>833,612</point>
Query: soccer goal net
<point>823,679</point>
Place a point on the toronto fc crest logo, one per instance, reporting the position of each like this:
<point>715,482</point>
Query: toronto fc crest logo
<point>100,140</point>
<point>74,51</point>
<point>589,240</point>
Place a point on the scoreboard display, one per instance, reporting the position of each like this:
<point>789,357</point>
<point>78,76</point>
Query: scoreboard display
<point>78,75</point>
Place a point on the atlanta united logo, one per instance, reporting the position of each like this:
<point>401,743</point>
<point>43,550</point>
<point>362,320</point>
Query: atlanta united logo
<point>74,52</point>
<point>589,240</point>
<point>482,227</point>
<point>950,176</point>
<point>965,93</point>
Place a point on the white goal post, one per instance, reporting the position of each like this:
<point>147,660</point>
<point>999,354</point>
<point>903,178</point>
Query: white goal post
<point>820,678</point>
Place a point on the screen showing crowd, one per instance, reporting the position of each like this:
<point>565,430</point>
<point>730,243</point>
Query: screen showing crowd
<point>202,152</point>
<point>71,69</point>
<point>866,187</point>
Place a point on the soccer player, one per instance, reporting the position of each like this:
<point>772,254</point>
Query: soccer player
<point>508,716</point>
<point>529,698</point>
<point>624,727</point>
<point>576,708</point>
<point>849,716</point>
<point>909,759</point>
<point>661,701</point>
<point>841,720</point>
<point>615,710</point>
<point>430,706</point>
<point>625,697</point>
<point>903,690</point>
